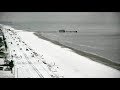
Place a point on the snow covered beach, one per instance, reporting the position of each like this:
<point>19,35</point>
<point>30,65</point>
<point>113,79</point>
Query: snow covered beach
<point>71,65</point>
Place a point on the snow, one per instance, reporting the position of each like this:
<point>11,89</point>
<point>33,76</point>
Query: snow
<point>26,66</point>
<point>70,64</point>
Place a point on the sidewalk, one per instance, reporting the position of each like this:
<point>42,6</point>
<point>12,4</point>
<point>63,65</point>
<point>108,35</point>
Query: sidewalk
<point>6,74</point>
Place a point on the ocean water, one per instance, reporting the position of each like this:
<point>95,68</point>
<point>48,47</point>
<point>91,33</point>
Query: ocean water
<point>102,39</point>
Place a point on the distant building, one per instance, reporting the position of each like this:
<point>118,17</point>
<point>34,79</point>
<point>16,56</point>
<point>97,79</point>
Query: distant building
<point>75,31</point>
<point>61,31</point>
<point>72,31</point>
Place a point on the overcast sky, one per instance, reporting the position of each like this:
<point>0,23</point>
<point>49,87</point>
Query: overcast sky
<point>59,16</point>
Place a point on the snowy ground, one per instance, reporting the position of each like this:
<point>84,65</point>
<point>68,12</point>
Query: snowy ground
<point>27,64</point>
<point>71,65</point>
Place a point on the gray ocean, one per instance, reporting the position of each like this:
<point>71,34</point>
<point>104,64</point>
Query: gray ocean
<point>102,39</point>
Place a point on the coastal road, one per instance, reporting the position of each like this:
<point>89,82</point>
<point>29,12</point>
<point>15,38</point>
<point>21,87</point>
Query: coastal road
<point>27,63</point>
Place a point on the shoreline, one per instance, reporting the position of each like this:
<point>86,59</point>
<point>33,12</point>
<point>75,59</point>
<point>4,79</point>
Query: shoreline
<point>93,57</point>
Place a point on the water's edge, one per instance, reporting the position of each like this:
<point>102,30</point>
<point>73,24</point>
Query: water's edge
<point>88,55</point>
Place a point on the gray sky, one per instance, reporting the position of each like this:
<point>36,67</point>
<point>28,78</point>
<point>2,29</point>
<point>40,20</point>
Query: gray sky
<point>59,16</point>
